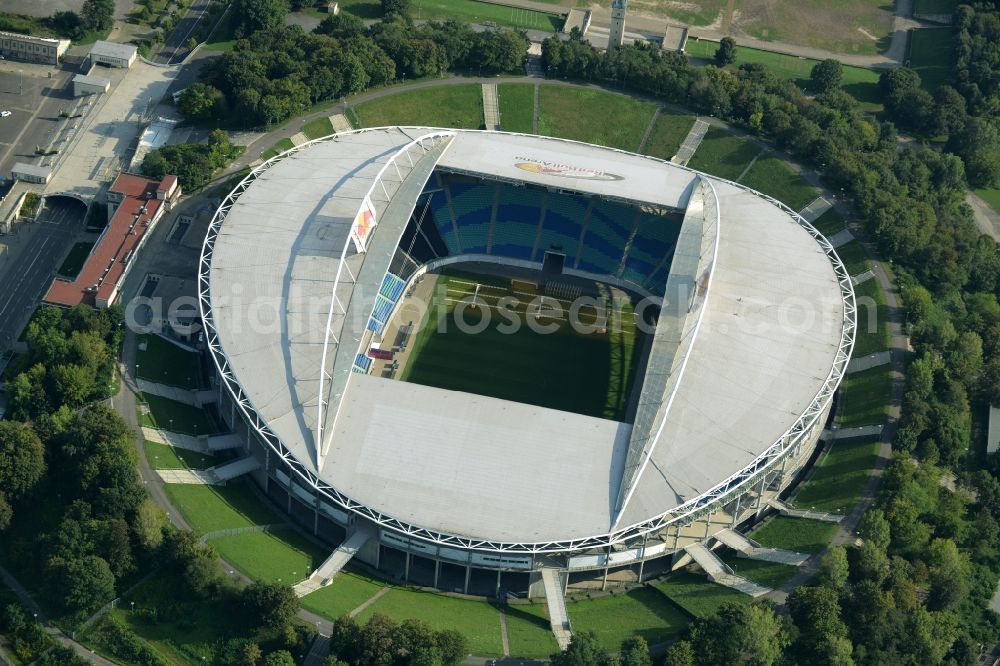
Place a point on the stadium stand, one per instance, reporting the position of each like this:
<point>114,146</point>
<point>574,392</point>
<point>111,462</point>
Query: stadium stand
<point>608,231</point>
<point>362,364</point>
<point>615,239</point>
<point>390,291</point>
<point>561,226</point>
<point>519,212</point>
<point>473,206</point>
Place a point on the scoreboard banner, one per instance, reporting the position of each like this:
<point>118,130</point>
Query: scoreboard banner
<point>364,225</point>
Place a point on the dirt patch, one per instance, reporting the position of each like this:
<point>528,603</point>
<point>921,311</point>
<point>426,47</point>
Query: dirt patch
<point>849,26</point>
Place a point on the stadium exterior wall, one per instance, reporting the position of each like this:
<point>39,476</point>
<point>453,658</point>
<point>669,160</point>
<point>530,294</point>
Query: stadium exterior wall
<point>738,499</point>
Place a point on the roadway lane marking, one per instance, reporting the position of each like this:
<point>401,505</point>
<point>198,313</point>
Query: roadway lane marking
<point>16,290</point>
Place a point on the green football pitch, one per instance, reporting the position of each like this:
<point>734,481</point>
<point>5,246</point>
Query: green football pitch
<point>587,369</point>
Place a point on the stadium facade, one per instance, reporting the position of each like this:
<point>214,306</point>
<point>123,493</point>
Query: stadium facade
<point>307,261</point>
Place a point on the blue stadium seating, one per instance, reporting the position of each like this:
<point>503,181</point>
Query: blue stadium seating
<point>392,287</point>
<point>473,206</point>
<point>390,291</point>
<point>562,226</point>
<point>362,364</point>
<point>518,214</point>
<point>442,217</point>
<point>608,230</point>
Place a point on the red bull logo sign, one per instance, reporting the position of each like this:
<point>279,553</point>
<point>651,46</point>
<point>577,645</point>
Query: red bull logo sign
<point>563,170</point>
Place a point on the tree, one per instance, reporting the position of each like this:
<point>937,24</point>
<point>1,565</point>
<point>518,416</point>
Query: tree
<point>635,652</point>
<point>199,101</point>
<point>150,519</point>
<point>739,634</point>
<point>826,76</point>
<point>583,650</point>
<point>254,15</point>
<point>816,613</point>
<point>833,568</point>
<point>98,15</point>
<point>726,53</point>
<point>272,605</point>
<point>680,653</point>
<point>249,655</point>
<point>22,459</point>
<point>452,646</point>
<point>375,643</point>
<point>392,8</point>
<point>279,658</point>
<point>84,584</point>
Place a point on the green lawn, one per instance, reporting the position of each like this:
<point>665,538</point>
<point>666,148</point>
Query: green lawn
<point>320,127</point>
<point>864,397</point>
<point>471,11</point>
<point>477,620</point>
<point>929,53</point>
<point>74,261</point>
<point>166,363</point>
<point>839,478</point>
<point>859,27</point>
<point>644,612</point>
<point>668,134</point>
<point>277,149</point>
<point>167,414</point>
<point>829,222</point>
<point>344,594</point>
<point>860,82</point>
<point>213,508</point>
<point>799,534</point>
<point>595,371</point>
<point>768,574</point>
<point>854,257</point>
<point>723,154</point>
<point>772,176</point>
<point>991,195</point>
<point>528,631</point>
<point>582,114</point>
<point>517,107</point>
<point>458,106</point>
<point>162,456</point>
<point>699,596</point>
<point>222,38</point>
<point>284,556</point>
<point>873,333</point>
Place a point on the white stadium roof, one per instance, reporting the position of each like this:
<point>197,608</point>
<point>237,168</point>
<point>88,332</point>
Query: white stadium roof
<point>771,337</point>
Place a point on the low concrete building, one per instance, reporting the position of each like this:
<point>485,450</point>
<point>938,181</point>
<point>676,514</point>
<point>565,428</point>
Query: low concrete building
<point>31,48</point>
<point>675,38</point>
<point>84,84</point>
<point>112,54</point>
<point>31,173</point>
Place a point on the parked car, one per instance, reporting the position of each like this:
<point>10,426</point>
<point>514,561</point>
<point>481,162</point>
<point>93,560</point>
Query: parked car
<point>4,114</point>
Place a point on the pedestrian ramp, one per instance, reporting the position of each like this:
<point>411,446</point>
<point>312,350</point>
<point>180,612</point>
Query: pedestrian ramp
<point>324,573</point>
<point>788,510</point>
<point>174,439</point>
<point>815,209</point>
<point>691,142</point>
<point>752,550</point>
<point>556,602</point>
<point>190,477</point>
<point>719,572</point>
<point>231,470</point>
<point>491,107</point>
<point>340,123</point>
<point>223,442</point>
<point>842,237</point>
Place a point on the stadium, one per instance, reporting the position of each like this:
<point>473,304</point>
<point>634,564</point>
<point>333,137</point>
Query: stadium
<point>491,362</point>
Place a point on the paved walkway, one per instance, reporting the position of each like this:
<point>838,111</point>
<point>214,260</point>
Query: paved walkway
<point>842,237</point>
<point>861,278</point>
<point>649,130</point>
<point>491,107</point>
<point>691,142</point>
<point>870,361</point>
<point>987,219</point>
<point>816,208</point>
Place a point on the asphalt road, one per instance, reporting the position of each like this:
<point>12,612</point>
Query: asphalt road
<point>35,257</point>
<point>175,47</point>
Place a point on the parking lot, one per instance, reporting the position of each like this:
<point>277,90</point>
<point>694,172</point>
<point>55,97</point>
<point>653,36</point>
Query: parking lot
<point>34,100</point>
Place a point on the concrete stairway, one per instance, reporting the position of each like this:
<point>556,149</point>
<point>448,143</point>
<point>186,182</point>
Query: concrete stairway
<point>325,572</point>
<point>491,107</point>
<point>752,550</point>
<point>786,510</point>
<point>815,209</point>
<point>558,617</point>
<point>174,439</point>
<point>717,570</point>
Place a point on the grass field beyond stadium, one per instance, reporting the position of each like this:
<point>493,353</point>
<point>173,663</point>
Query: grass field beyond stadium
<point>567,370</point>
